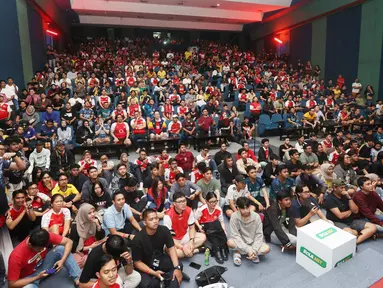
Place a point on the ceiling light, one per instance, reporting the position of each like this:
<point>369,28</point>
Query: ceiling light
<point>218,4</point>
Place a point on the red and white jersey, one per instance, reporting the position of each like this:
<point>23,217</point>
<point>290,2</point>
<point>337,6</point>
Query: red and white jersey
<point>93,82</point>
<point>154,81</point>
<point>178,224</point>
<point>182,110</point>
<point>170,175</point>
<point>103,99</point>
<point>130,80</point>
<point>202,214</point>
<point>181,89</point>
<point>174,98</point>
<point>174,127</point>
<point>289,104</point>
<point>87,165</point>
<point>327,144</point>
<point>167,111</point>
<point>233,81</point>
<point>202,55</point>
<point>119,82</point>
<point>255,107</point>
<point>51,218</point>
<point>140,125</point>
<point>132,108</point>
<point>5,109</point>
<point>176,81</point>
<point>311,104</point>
<point>333,157</point>
<point>15,213</point>
<point>120,130</point>
<point>39,200</point>
<point>156,63</point>
<point>143,164</point>
<point>195,175</point>
<point>97,285</point>
<point>329,102</point>
<point>243,97</point>
<point>156,54</point>
<point>121,112</point>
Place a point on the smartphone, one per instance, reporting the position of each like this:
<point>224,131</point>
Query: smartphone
<point>51,271</point>
<point>195,265</point>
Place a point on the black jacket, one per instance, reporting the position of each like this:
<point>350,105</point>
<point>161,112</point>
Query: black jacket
<point>61,161</point>
<point>268,172</point>
<point>220,156</point>
<point>262,155</point>
<point>271,223</point>
<point>226,176</point>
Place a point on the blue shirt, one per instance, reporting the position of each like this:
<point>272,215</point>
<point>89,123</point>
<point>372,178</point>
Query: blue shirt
<point>54,116</point>
<point>45,131</point>
<point>115,219</point>
<point>277,186</point>
<point>31,132</point>
<point>300,210</point>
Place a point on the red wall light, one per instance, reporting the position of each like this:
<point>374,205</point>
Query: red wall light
<point>52,32</point>
<point>278,40</point>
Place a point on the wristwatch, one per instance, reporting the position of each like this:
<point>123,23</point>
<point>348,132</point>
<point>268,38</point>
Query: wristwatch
<point>177,267</point>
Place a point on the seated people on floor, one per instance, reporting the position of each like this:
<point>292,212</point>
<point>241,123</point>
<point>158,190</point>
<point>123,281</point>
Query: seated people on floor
<point>106,273</point>
<point>279,225</point>
<point>150,258</point>
<point>341,209</point>
<point>30,259</point>
<point>119,219</point>
<point>270,171</point>
<point>171,172</point>
<point>186,187</point>
<point>20,216</point>
<point>368,202</point>
<point>72,197</point>
<point>40,202</point>
<point>209,220</point>
<point>317,186</point>
<point>246,236</point>
<point>135,198</point>
<point>93,178</point>
<point>57,220</point>
<point>205,157</point>
<point>158,197</point>
<point>265,152</point>
<point>227,170</point>
<point>294,165</point>
<point>116,247</point>
<point>257,188</point>
<point>120,176</point>
<point>179,219</point>
<point>305,208</point>
<point>244,161</point>
<point>185,159</point>
<point>208,184</point>
<point>282,183</point>
<point>236,190</point>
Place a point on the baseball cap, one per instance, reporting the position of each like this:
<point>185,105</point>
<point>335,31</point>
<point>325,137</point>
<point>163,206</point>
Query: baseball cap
<point>338,182</point>
<point>60,142</point>
<point>240,178</point>
<point>40,143</point>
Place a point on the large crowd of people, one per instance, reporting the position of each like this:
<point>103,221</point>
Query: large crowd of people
<point>101,219</point>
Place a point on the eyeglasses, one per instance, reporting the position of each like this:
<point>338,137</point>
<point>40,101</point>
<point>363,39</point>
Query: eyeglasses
<point>213,202</point>
<point>180,202</point>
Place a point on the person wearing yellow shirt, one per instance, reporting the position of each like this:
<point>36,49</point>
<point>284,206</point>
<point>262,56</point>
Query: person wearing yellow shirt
<point>161,73</point>
<point>72,197</point>
<point>310,119</point>
<point>188,54</point>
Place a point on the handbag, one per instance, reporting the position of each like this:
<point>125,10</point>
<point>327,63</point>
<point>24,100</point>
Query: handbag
<point>211,275</point>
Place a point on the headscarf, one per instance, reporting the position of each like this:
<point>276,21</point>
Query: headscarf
<point>324,169</point>
<point>85,227</point>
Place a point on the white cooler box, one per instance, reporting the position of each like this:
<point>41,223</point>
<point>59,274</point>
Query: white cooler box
<point>321,246</point>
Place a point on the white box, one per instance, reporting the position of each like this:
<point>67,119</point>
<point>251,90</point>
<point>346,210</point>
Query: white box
<point>321,246</point>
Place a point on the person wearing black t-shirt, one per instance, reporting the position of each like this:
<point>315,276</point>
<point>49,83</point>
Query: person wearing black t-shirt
<point>294,165</point>
<point>149,257</point>
<point>136,199</point>
<point>341,209</point>
<point>99,198</point>
<point>155,173</point>
<point>118,249</point>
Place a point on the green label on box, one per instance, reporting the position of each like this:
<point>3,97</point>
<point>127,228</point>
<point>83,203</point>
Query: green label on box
<point>345,259</point>
<point>326,233</point>
<point>313,257</point>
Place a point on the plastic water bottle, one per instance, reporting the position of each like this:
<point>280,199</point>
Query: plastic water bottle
<point>209,132</point>
<point>207,255</point>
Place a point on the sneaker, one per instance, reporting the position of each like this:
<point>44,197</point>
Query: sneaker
<point>256,260</point>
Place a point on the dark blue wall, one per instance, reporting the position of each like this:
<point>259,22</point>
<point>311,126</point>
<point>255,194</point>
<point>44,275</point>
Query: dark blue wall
<point>380,96</point>
<point>300,43</point>
<point>36,35</point>
<point>10,48</point>
<point>342,44</point>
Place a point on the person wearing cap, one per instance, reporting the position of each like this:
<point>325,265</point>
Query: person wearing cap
<point>61,159</point>
<point>279,226</point>
<point>175,127</point>
<point>40,157</point>
<point>342,210</point>
<point>246,233</point>
<point>316,185</point>
<point>235,191</point>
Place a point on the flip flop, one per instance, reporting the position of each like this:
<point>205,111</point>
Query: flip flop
<point>237,259</point>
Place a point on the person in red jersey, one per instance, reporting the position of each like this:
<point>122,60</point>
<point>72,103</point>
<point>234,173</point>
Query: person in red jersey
<point>174,128</point>
<point>181,222</point>
<point>209,219</point>
<point>107,273</point>
<point>172,171</point>
<point>20,216</point>
<point>138,125</point>
<point>120,131</point>
<point>29,261</point>
<point>57,219</point>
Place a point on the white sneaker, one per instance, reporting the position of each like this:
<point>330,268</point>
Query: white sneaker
<point>256,260</point>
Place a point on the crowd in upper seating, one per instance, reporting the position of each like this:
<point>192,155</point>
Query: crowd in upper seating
<point>103,218</point>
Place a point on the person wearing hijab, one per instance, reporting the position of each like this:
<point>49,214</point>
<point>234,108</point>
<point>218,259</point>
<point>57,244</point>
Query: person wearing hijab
<point>86,233</point>
<point>31,116</point>
<point>326,173</point>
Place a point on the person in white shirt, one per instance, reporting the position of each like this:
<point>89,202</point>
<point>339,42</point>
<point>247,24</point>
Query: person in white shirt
<point>11,90</point>
<point>67,81</point>
<point>205,157</point>
<point>356,87</point>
